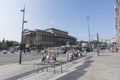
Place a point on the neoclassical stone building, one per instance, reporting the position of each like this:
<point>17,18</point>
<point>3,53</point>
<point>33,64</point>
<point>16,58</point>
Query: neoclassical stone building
<point>117,16</point>
<point>47,38</point>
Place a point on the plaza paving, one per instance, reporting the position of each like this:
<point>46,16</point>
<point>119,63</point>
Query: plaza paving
<point>90,67</point>
<point>103,67</point>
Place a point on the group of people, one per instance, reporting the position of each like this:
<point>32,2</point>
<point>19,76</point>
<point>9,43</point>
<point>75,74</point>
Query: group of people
<point>114,49</point>
<point>72,54</point>
<point>47,56</point>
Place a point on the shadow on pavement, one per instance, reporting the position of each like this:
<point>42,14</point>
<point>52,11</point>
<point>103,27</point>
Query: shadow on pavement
<point>104,55</point>
<point>80,71</point>
<point>21,75</point>
<point>18,76</point>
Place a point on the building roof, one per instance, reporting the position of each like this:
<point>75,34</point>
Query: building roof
<point>56,30</point>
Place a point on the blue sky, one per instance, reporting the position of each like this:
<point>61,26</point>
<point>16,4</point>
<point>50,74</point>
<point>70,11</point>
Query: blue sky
<point>66,15</point>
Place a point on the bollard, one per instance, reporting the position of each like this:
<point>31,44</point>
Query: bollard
<point>37,68</point>
<point>54,67</point>
<point>67,66</point>
<point>61,66</point>
<point>42,67</point>
<point>47,67</point>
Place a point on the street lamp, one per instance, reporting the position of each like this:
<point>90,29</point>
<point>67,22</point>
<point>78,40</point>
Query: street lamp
<point>88,31</point>
<point>97,44</point>
<point>21,46</point>
<point>88,27</point>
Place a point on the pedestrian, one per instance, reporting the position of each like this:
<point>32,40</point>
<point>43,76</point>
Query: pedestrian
<point>67,54</point>
<point>79,53</point>
<point>44,58</point>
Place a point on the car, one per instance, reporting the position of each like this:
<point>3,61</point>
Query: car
<point>4,52</point>
<point>12,51</point>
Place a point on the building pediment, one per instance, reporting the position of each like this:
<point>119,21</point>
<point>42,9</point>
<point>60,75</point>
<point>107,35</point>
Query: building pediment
<point>26,30</point>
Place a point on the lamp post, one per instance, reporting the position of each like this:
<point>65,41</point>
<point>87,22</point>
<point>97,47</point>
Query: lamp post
<point>88,31</point>
<point>21,46</point>
<point>97,44</point>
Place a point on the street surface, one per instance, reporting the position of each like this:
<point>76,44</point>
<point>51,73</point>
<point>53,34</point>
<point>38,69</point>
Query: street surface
<point>90,67</point>
<point>14,57</point>
<point>103,67</point>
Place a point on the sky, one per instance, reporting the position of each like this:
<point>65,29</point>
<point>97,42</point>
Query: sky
<point>66,15</point>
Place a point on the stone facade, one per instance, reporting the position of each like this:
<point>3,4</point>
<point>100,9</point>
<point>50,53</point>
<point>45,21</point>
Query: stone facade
<point>110,41</point>
<point>46,38</point>
<point>117,16</point>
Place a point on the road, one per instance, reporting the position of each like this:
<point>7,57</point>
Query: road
<point>90,67</point>
<point>14,57</point>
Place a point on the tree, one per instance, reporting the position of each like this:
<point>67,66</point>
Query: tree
<point>11,43</point>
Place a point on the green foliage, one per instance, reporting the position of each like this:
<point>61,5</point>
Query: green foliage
<point>11,43</point>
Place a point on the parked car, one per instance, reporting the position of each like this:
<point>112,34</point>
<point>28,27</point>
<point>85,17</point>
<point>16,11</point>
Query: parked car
<point>12,51</point>
<point>86,48</point>
<point>4,52</point>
